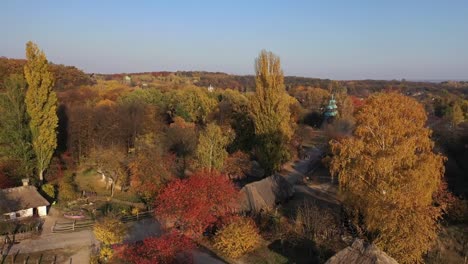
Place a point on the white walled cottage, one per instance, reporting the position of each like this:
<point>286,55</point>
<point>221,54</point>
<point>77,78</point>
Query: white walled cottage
<point>23,201</point>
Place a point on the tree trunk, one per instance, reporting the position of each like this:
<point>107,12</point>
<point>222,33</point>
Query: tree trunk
<point>41,176</point>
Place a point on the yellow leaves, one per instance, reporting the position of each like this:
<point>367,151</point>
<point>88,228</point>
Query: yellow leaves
<point>41,105</point>
<point>237,238</point>
<point>389,172</point>
<point>270,103</point>
<point>105,103</point>
<point>110,231</point>
<point>270,112</point>
<point>193,104</point>
<point>212,144</point>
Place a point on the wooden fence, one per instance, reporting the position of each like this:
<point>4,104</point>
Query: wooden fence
<point>77,225</point>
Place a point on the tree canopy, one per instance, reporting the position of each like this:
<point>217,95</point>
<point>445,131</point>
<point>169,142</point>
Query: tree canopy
<point>15,135</point>
<point>270,112</point>
<point>389,173</point>
<point>196,203</point>
<point>41,105</point>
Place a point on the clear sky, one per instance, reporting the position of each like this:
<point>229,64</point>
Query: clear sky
<point>346,39</point>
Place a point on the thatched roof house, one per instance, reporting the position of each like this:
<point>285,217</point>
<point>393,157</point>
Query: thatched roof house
<point>265,194</point>
<point>362,253</point>
<point>22,201</point>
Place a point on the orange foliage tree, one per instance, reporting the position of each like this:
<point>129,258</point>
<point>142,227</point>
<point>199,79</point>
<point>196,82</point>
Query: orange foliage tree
<point>389,173</point>
<point>198,202</point>
<point>149,172</point>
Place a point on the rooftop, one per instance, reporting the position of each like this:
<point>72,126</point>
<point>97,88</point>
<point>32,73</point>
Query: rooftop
<point>20,198</point>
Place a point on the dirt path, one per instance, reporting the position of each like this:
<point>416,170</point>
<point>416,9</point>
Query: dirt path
<point>311,180</point>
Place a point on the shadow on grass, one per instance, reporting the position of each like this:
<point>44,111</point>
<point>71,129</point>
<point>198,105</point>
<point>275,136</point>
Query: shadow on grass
<point>301,251</point>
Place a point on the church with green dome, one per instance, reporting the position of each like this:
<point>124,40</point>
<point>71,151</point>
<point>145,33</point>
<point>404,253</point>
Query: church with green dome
<point>331,110</point>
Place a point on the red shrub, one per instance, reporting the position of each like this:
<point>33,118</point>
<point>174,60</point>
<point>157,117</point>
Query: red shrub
<point>196,203</point>
<point>169,248</point>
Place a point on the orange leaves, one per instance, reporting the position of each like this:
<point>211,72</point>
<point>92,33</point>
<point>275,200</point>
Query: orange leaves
<point>389,172</point>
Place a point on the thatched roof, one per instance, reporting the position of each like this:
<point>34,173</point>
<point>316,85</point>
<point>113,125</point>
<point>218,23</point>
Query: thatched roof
<point>265,194</point>
<point>20,198</point>
<point>362,253</point>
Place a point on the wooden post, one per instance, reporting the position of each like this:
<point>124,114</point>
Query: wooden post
<point>74,221</point>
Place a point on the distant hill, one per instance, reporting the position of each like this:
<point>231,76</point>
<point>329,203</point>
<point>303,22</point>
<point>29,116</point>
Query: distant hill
<point>66,77</point>
<point>245,83</point>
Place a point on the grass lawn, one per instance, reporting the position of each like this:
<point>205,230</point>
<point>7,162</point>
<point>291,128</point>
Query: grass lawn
<point>90,180</point>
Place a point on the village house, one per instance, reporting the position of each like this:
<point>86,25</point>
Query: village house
<point>23,201</point>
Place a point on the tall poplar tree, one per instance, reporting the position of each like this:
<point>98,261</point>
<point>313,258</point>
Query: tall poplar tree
<point>15,135</point>
<point>41,105</point>
<point>270,112</point>
<point>389,174</point>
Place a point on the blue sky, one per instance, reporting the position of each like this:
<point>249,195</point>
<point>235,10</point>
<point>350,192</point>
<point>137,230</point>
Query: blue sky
<point>327,39</point>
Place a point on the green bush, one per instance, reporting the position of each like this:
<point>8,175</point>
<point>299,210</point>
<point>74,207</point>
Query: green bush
<point>49,190</point>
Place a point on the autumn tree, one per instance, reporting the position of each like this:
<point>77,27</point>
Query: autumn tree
<point>196,203</point>
<point>109,231</point>
<point>182,140</point>
<point>270,111</point>
<point>109,162</point>
<point>41,105</point>
<point>237,165</point>
<point>212,144</point>
<point>150,169</point>
<point>192,104</point>
<point>233,110</point>
<point>389,173</point>
<point>237,238</point>
<point>15,136</point>
<point>67,189</point>
<point>455,115</point>
<point>170,248</point>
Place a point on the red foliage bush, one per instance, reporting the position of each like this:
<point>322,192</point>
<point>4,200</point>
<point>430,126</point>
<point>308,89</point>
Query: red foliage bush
<point>357,102</point>
<point>196,203</point>
<point>170,248</point>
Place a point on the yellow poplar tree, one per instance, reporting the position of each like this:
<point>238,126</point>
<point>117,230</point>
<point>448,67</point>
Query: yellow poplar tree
<point>270,111</point>
<point>41,105</point>
<point>389,173</point>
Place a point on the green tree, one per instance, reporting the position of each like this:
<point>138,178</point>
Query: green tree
<point>192,104</point>
<point>389,174</point>
<point>15,136</point>
<point>270,112</point>
<point>211,149</point>
<point>41,105</point>
<point>456,115</point>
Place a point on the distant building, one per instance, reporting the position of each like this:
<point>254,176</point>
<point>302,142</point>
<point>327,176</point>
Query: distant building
<point>210,88</point>
<point>331,111</point>
<point>23,201</point>
<point>127,79</point>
